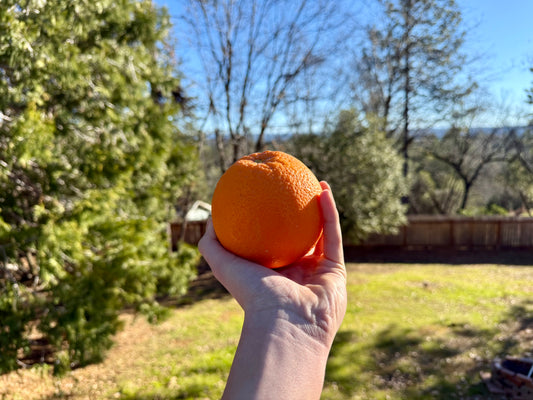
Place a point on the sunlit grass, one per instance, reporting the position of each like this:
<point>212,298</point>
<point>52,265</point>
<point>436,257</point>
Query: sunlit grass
<point>410,332</point>
<point>426,331</point>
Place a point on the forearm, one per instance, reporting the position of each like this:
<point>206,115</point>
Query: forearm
<point>278,360</point>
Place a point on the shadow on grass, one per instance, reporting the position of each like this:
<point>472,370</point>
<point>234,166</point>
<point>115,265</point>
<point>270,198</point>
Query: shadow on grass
<point>192,391</point>
<point>439,362</point>
<point>522,314</point>
<point>197,394</point>
<point>204,286</point>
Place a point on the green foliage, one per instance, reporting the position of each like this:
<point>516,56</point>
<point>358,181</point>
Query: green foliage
<point>364,171</point>
<point>91,165</point>
<point>435,189</point>
<point>14,317</point>
<point>489,209</point>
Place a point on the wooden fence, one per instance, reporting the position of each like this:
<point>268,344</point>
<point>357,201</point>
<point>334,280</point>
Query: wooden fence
<point>194,230</point>
<point>494,232</point>
<point>426,231</point>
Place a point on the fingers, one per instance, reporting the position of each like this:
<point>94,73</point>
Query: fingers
<point>235,273</point>
<point>208,244</point>
<point>319,246</point>
<point>218,258</point>
<point>331,236</point>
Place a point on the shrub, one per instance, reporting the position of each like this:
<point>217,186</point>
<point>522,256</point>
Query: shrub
<point>91,164</point>
<point>364,171</point>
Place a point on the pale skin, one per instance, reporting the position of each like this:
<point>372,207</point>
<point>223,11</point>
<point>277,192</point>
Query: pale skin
<point>291,314</point>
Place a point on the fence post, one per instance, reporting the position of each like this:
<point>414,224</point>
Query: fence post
<point>452,232</point>
<point>499,234</point>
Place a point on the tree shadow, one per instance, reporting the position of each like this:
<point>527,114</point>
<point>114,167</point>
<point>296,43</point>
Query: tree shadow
<point>205,286</point>
<point>522,315</point>
<point>439,362</point>
<point>516,336</point>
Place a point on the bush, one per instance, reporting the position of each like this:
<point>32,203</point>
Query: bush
<point>91,165</point>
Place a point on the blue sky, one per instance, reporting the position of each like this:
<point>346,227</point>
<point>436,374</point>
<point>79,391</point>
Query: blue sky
<point>501,32</point>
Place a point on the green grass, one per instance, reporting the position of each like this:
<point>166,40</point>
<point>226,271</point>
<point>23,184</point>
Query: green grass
<point>191,354</point>
<point>426,331</point>
<point>410,332</point>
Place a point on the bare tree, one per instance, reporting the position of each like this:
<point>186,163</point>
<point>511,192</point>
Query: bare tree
<point>519,172</point>
<point>435,189</point>
<point>252,55</point>
<point>469,151</point>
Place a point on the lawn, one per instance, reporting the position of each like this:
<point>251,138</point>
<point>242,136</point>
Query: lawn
<point>412,331</point>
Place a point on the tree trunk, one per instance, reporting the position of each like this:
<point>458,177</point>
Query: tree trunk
<point>406,122</point>
<point>407,86</point>
<point>466,193</point>
<point>220,150</point>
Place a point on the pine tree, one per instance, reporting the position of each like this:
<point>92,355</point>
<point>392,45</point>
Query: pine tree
<point>412,70</point>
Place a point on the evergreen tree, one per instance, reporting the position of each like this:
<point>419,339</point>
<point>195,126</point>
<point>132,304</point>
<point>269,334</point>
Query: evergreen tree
<point>411,67</point>
<point>90,166</point>
<point>364,171</point>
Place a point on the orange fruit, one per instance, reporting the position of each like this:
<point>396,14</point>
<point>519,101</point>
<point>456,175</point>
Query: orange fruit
<point>265,209</point>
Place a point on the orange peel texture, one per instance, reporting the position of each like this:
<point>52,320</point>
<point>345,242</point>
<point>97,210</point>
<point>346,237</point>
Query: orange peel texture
<point>265,209</point>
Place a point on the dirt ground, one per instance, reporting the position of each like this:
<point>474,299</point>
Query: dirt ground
<point>36,383</point>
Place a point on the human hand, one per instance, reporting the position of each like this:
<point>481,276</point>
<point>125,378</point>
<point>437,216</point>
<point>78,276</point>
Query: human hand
<point>310,293</point>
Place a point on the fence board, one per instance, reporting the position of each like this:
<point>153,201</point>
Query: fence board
<point>460,232</point>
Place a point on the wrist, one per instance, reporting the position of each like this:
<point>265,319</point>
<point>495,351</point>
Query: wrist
<point>275,355</point>
<point>292,331</point>
<point>297,331</point>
